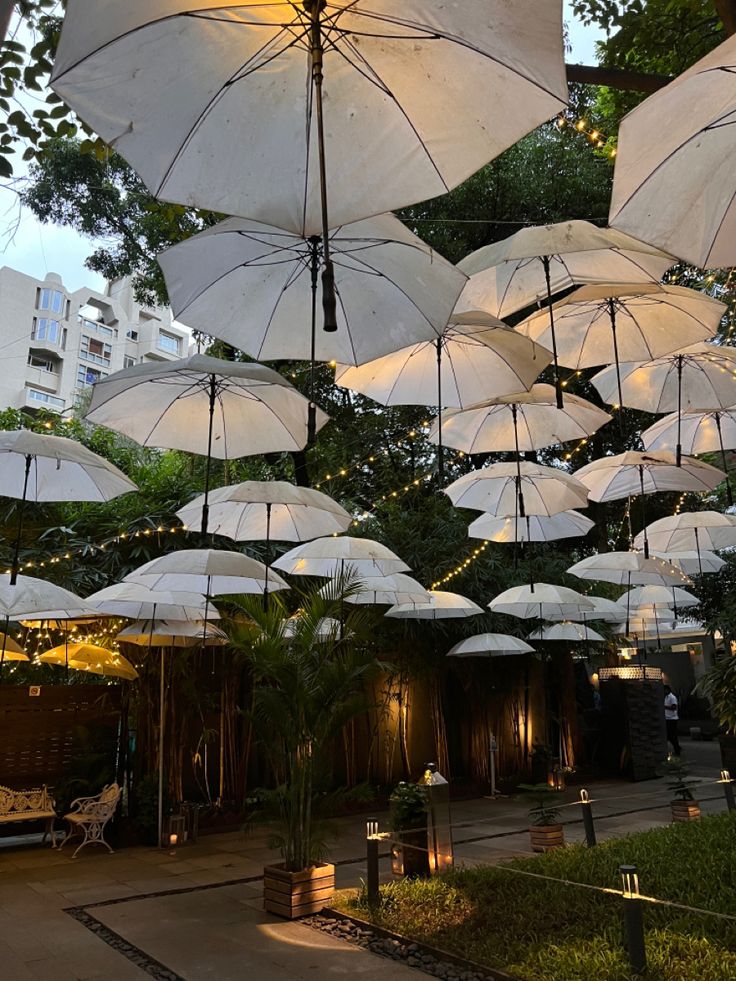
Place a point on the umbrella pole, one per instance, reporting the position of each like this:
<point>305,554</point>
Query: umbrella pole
<point>160,814</point>
<point>644,512</point>
<point>440,451</point>
<point>5,640</point>
<point>697,549</point>
<point>268,552</point>
<point>628,601</point>
<point>206,505</point>
<point>21,508</point>
<point>729,491</point>
<point>329,299</point>
<point>314,243</point>
<point>612,314</point>
<point>558,384</point>
<point>66,650</point>
<point>678,460</point>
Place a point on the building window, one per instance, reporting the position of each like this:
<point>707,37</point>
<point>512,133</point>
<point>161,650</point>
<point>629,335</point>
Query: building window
<point>97,326</point>
<point>34,395</point>
<point>45,329</point>
<point>169,342</point>
<point>128,362</point>
<point>132,335</point>
<point>52,300</point>
<point>88,376</point>
<point>43,363</point>
<point>94,350</point>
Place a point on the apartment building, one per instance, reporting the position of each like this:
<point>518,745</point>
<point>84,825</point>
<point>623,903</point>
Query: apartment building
<point>55,342</point>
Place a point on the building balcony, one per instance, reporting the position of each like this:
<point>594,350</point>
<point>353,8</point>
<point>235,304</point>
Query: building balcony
<point>37,399</point>
<point>42,378</point>
<point>48,345</point>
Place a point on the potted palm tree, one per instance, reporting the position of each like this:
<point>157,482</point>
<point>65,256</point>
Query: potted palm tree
<point>545,830</point>
<point>719,687</point>
<point>684,806</point>
<point>308,682</point>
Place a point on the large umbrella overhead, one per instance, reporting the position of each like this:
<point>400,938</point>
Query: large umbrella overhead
<point>518,489</point>
<point>542,600</point>
<point>490,645</point>
<point>229,116</point>
<point>658,596</point>
<point>682,137</point>
<point>330,557</point>
<point>209,571</point>
<point>268,510</point>
<point>537,262</point>
<point>393,289</point>
<point>172,633</point>
<point>700,376</point>
<point>475,357</point>
<point>519,422</point>
<point>602,609</point>
<point>690,531</point>
<point>628,569</point>
<point>693,563</point>
<point>610,323</point>
<point>633,473</point>
<point>220,409</point>
<point>534,528</point>
<point>35,467</point>
<point>704,431</point>
<point>442,605</point>
<point>572,632</point>
<point>397,588</point>
<point>139,602</point>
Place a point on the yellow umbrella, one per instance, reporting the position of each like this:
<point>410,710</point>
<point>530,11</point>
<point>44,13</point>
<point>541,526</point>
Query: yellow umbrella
<point>82,656</point>
<point>11,650</point>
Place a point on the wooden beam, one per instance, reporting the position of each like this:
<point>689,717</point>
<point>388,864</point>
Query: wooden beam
<point>727,12</point>
<point>616,78</point>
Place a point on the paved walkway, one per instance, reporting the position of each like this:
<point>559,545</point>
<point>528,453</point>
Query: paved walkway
<point>196,914</point>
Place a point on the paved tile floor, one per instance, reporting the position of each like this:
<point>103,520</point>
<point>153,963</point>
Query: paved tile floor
<point>197,913</point>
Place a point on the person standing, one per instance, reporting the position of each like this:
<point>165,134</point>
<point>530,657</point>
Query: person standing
<point>671,718</point>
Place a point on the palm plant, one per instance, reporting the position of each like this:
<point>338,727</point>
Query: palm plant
<point>307,684</point>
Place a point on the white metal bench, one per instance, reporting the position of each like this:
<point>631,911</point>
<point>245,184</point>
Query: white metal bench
<point>89,815</point>
<point>28,805</point>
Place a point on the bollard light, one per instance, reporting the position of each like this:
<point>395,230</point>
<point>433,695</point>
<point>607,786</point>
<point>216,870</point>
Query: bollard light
<point>633,919</point>
<point>587,812</point>
<point>373,838</point>
<point>630,880</point>
<point>728,789</point>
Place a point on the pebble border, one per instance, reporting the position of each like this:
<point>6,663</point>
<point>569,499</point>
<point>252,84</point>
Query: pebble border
<point>134,954</point>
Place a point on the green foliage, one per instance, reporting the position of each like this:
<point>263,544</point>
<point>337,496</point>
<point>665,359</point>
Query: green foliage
<point>677,771</point>
<point>409,805</point>
<point>719,686</point>
<point>545,810</point>
<point>550,931</point>
<point>145,807</point>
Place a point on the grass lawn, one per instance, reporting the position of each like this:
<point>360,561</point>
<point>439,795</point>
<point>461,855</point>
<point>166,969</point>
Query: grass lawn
<point>549,931</point>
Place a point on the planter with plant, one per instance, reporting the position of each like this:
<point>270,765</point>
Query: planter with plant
<point>307,687</point>
<point>684,806</point>
<point>409,806</point>
<point>545,830</point>
<point>719,686</point>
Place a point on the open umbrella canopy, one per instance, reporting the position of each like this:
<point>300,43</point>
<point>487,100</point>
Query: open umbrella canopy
<point>692,563</point>
<point>10,650</point>
<point>626,474</point>
<point>682,137</point>
<point>628,569</point>
<point>167,404</point>
<point>571,632</point>
<point>394,589</point>
<point>138,602</point>
<point>476,356</point>
<point>490,645</point>
<point>228,114</point>
<point>657,596</point>
<point>83,656</point>
<point>172,633</point>
<point>533,528</point>
<point>542,600</point>
<point>702,431</point>
<point>209,571</point>
<point>442,605</point>
<point>691,531</point>
<point>252,285</point>
<point>259,510</point>
<point>520,422</point>
<point>603,609</point>
<point>495,489</point>
<point>331,557</point>
<point>36,467</point>
<point>327,628</point>
<point>29,596</point>
<point>600,324</point>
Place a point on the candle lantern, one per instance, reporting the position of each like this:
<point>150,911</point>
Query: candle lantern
<point>439,827</point>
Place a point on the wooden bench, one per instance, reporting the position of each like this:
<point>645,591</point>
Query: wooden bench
<point>28,805</point>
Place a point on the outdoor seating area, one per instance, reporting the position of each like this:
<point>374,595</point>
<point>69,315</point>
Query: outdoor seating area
<point>367,526</point>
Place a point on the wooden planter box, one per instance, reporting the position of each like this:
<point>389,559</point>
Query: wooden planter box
<point>545,837</point>
<point>293,894</point>
<point>685,810</point>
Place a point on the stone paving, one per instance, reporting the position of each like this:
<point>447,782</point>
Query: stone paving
<point>196,914</point>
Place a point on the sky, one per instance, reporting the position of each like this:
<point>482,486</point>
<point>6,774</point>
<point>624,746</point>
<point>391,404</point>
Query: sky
<point>36,249</point>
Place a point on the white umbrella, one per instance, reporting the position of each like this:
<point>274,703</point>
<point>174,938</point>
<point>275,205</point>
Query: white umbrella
<point>610,323</point>
<point>701,376</point>
<point>35,467</point>
<point>330,557</point>
<point>690,531</point>
<point>477,356</point>
<point>699,432</point>
<point>268,510</point>
<point>397,588</point>
<point>220,104</point>
<point>209,571</point>
<point>394,289</point>
<point>628,569</point>
<point>441,606</point>
<point>633,473</point>
<point>327,628</point>
<point>172,633</point>
<point>602,609</point>
<point>541,600</point>
<point>658,596</point>
<point>534,528</point>
<point>220,409</point>
<point>693,563</point>
<point>519,422</point>
<point>518,489</point>
<point>571,632</point>
<point>682,137</point>
<point>490,645</point>
<point>536,262</point>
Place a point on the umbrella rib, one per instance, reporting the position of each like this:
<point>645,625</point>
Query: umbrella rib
<point>338,294</point>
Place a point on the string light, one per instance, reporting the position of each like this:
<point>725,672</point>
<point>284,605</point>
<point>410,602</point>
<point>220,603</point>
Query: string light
<point>463,567</point>
<point>594,136</point>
